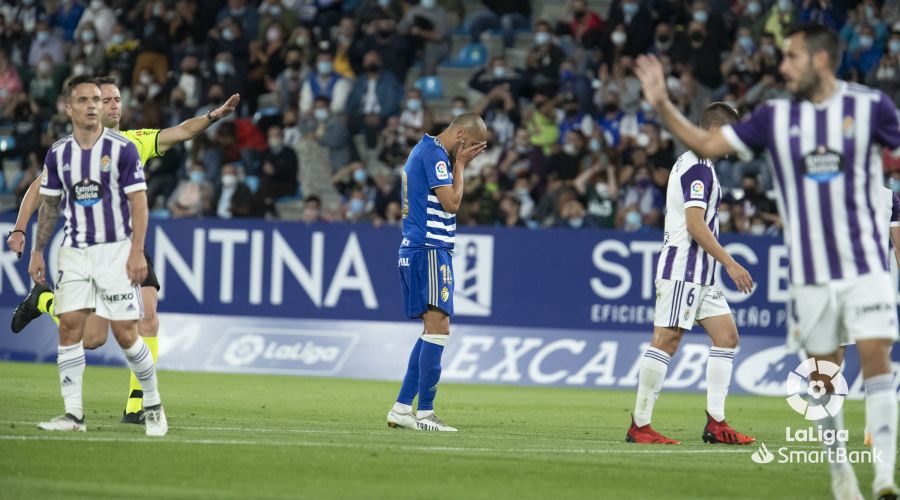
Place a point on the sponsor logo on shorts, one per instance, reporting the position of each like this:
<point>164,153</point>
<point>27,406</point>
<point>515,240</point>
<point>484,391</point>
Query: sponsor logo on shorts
<point>873,308</point>
<point>118,297</point>
<point>282,351</point>
<point>403,262</point>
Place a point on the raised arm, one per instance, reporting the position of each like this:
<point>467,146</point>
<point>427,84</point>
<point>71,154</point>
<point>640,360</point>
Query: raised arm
<point>47,215</point>
<point>16,240</point>
<point>192,127</point>
<point>706,144</point>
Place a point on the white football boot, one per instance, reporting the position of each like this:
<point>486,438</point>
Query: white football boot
<point>433,423</point>
<point>155,423</point>
<point>65,423</point>
<point>396,419</point>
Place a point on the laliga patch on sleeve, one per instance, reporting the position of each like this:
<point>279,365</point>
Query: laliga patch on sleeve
<point>138,170</point>
<point>697,190</point>
<point>44,176</point>
<point>440,169</point>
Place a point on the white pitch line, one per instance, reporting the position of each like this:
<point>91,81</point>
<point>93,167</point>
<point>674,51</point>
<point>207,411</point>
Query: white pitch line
<point>452,449</point>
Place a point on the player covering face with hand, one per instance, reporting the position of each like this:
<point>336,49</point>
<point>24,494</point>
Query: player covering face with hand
<point>432,193</point>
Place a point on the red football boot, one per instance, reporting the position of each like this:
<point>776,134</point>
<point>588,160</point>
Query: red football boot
<point>721,432</point>
<point>646,435</point>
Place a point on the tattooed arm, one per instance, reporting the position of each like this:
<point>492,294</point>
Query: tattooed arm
<point>47,215</point>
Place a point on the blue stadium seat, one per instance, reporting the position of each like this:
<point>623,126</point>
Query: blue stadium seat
<point>431,87</point>
<point>470,56</point>
<point>160,213</point>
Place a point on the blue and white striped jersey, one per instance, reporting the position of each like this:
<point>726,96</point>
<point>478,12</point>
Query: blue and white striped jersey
<point>692,183</point>
<point>94,184</point>
<point>425,223</point>
<point>828,176</point>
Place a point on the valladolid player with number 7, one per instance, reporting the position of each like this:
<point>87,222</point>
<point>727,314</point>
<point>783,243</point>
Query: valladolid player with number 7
<point>686,293</point>
<point>432,193</point>
<point>98,174</point>
<point>823,147</point>
<point>150,144</point>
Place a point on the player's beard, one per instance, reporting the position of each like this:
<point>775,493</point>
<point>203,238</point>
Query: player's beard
<point>807,85</point>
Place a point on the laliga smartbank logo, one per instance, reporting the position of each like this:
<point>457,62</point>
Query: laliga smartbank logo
<point>808,389</point>
<point>816,390</point>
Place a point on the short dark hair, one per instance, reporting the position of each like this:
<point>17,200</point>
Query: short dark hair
<point>717,115</point>
<point>106,80</point>
<point>76,81</point>
<point>819,37</point>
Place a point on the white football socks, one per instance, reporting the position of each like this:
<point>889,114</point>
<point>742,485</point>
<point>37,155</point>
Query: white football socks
<point>719,365</point>
<point>141,363</point>
<point>70,363</point>
<point>652,374</point>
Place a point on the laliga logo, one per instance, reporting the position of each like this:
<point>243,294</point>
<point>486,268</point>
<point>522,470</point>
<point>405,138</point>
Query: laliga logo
<point>807,388</point>
<point>244,350</point>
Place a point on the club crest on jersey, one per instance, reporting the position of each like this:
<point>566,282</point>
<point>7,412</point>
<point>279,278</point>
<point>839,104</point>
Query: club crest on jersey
<point>87,192</point>
<point>698,190</point>
<point>849,127</point>
<point>445,294</point>
<point>440,170</point>
<point>823,164</point>
<point>104,163</point>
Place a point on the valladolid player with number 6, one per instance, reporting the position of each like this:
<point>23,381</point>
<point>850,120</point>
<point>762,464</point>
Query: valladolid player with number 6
<point>686,293</point>
<point>823,146</point>
<point>432,193</point>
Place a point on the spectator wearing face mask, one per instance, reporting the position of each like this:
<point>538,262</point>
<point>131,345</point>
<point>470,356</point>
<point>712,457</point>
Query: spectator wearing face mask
<point>637,21</point>
<point>88,48</point>
<point>667,41</point>
<point>273,11</point>
<point>704,49</point>
<point>610,119</point>
<point>428,25</point>
<point>860,62</point>
<point>325,83</point>
<point>416,119</point>
<point>644,198</point>
<point>233,198</point>
<point>101,18</point>
<point>516,159</point>
<point>585,25</point>
<point>376,96</point>
<point>543,60</point>
<point>395,50</point>
<point>312,210</point>
<point>193,196</point>
<point>572,159</point>
<point>754,16</point>
<point>358,208</point>
<point>45,43</point>
<point>868,13</point>
<point>44,86</point>
<point>887,76</point>
<point>541,125</point>
<point>573,216</point>
<point>247,17</point>
<point>599,189</point>
<point>498,72</point>
<point>330,132</point>
<point>510,214</point>
<point>280,170</point>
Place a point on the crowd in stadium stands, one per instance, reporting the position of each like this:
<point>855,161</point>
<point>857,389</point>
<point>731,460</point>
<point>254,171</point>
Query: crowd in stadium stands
<point>329,110</point>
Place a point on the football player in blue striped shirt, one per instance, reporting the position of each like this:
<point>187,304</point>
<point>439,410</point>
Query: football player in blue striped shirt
<point>432,193</point>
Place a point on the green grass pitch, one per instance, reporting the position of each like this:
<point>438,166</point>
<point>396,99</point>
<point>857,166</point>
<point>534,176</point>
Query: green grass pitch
<point>251,436</point>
